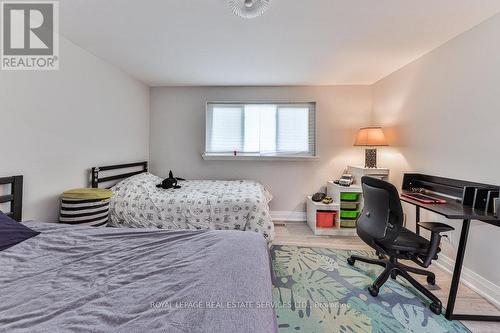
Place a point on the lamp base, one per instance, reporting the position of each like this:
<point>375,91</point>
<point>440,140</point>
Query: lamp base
<point>370,158</point>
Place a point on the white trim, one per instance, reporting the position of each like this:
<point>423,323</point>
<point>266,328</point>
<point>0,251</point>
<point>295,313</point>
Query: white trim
<point>229,157</point>
<point>474,281</point>
<point>288,216</point>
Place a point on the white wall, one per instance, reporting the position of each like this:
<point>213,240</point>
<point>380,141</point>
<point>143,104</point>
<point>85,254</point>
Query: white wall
<point>178,137</point>
<point>442,113</point>
<point>57,124</point>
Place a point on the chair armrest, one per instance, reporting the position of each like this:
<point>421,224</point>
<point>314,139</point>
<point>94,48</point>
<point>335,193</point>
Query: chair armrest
<point>435,226</point>
<point>436,229</point>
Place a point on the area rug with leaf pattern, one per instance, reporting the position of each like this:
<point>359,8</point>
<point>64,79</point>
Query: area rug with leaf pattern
<point>315,290</point>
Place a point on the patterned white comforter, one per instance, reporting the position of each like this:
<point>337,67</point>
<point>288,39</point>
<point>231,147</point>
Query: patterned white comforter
<point>198,204</point>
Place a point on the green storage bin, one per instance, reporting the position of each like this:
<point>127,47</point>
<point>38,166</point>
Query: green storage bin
<point>349,214</point>
<point>348,223</point>
<point>349,205</point>
<point>349,196</point>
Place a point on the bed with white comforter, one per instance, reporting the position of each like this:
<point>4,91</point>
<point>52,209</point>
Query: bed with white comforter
<point>198,204</point>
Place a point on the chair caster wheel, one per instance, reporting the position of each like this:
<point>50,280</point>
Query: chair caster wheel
<point>350,261</point>
<point>431,280</point>
<point>436,308</point>
<point>373,290</point>
<point>393,275</point>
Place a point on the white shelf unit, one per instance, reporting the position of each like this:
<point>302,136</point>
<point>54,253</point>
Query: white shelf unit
<point>313,207</point>
<point>335,191</point>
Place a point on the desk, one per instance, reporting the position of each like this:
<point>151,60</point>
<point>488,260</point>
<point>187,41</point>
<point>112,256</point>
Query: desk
<point>455,211</point>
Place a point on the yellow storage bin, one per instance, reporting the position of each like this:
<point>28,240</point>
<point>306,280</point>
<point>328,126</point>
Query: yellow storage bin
<point>88,193</point>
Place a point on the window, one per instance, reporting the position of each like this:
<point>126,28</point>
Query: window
<point>260,129</point>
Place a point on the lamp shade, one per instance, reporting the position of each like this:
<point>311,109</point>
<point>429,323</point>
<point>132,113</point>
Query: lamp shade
<point>371,136</point>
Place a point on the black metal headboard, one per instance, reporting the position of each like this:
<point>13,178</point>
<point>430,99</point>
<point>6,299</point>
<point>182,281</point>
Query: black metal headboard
<point>15,197</point>
<point>96,180</point>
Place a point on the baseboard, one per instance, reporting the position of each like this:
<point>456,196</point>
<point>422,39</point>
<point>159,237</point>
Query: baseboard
<point>288,216</point>
<point>474,281</point>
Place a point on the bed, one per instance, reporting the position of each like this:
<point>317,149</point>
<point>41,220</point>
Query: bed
<point>198,204</point>
<point>80,278</point>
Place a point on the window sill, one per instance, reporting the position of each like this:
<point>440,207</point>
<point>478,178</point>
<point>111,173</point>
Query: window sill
<point>210,157</point>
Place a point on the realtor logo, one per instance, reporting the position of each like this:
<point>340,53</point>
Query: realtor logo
<point>29,35</point>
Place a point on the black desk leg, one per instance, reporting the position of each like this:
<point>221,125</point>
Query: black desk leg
<point>455,281</point>
<point>417,219</point>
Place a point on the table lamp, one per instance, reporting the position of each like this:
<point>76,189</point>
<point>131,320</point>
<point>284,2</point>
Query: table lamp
<point>371,137</point>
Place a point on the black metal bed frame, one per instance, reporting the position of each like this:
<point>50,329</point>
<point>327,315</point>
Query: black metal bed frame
<point>15,197</point>
<point>96,180</point>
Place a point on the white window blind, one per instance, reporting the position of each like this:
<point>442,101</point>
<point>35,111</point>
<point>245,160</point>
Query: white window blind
<point>259,129</point>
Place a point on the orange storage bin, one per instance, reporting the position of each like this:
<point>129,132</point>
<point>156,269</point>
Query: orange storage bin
<point>325,219</point>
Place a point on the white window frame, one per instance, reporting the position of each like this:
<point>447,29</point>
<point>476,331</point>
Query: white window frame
<point>249,156</point>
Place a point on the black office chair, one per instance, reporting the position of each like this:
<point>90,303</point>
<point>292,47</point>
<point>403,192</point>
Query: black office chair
<point>381,226</point>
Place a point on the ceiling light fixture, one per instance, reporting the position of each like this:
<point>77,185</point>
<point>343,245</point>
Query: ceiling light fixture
<point>249,8</point>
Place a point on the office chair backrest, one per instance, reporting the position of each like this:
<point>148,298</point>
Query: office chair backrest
<point>382,216</point>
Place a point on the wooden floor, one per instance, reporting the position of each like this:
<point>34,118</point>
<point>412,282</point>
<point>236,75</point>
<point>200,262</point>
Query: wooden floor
<point>467,300</point>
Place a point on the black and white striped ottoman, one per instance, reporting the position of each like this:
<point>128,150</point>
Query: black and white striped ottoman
<point>86,206</point>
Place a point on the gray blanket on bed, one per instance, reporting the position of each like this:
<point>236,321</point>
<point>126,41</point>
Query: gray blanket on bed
<point>120,280</point>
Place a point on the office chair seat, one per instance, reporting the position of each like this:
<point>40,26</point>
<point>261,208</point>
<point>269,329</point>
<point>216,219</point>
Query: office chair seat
<point>407,241</point>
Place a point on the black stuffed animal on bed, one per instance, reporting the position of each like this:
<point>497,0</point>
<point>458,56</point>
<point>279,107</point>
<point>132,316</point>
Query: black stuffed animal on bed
<point>170,182</point>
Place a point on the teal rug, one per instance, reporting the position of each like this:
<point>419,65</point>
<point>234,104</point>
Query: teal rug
<point>316,291</point>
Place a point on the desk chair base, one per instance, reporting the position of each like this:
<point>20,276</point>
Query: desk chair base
<point>392,268</point>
